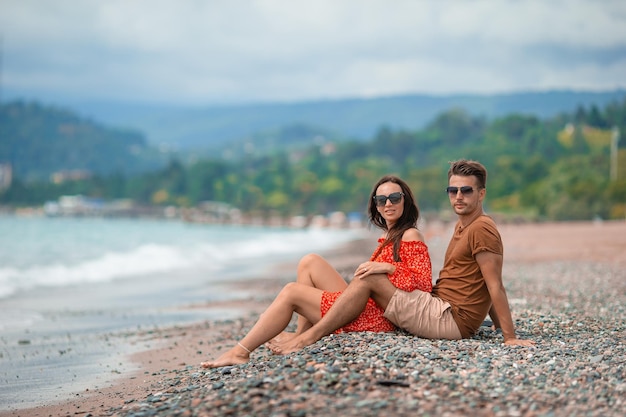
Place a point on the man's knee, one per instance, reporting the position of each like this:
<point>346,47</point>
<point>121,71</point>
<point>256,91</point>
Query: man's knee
<point>381,289</point>
<point>375,282</point>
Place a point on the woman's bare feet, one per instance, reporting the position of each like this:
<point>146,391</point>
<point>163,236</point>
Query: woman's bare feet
<point>235,356</point>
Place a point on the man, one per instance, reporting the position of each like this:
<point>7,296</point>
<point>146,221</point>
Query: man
<point>469,285</point>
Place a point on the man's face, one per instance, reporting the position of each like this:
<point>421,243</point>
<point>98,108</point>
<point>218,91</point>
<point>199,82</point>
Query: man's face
<point>465,196</point>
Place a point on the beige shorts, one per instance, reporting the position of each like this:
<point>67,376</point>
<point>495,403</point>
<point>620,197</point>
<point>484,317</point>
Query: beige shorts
<point>422,315</point>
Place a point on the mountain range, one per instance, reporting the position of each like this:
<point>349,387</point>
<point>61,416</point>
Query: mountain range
<point>206,127</point>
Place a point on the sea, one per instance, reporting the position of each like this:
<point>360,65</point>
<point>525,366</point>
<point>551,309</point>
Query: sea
<point>65,282</point>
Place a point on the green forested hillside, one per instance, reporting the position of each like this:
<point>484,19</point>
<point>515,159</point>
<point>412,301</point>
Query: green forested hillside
<point>38,141</point>
<point>558,168</point>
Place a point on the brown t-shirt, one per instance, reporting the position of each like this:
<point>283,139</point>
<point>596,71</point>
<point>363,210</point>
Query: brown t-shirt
<point>460,281</point>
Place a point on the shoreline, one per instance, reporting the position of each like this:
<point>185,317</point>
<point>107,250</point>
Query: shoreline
<point>556,276</point>
<point>37,357</point>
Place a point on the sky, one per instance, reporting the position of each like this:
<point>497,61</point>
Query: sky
<point>232,51</point>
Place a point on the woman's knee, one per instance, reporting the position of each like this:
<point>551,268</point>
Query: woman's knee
<point>309,259</point>
<point>289,291</point>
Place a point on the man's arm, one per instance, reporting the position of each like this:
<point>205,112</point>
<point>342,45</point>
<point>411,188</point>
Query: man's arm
<point>494,317</point>
<point>491,267</point>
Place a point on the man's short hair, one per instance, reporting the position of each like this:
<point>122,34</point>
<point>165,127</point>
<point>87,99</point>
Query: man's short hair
<point>467,168</point>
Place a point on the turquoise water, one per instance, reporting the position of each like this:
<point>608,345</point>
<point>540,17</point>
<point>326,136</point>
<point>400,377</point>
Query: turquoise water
<point>55,252</point>
<point>71,289</point>
<point>89,275</point>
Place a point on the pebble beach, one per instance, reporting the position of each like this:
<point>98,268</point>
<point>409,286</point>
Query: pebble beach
<point>567,290</point>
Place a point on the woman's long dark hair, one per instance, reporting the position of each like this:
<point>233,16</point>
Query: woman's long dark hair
<point>407,221</point>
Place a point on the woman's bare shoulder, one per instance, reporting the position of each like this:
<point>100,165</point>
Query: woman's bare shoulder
<point>412,235</point>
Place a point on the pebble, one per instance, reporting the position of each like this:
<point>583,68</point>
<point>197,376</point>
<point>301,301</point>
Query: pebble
<point>575,312</point>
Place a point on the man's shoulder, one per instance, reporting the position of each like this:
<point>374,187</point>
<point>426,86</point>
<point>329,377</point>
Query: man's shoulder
<point>483,221</point>
<point>484,226</point>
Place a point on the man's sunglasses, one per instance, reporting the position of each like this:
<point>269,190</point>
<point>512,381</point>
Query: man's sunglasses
<point>381,200</point>
<point>465,190</point>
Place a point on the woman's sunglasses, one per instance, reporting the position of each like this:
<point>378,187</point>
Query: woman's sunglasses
<point>381,200</point>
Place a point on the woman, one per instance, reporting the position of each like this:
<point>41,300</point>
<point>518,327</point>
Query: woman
<point>401,254</point>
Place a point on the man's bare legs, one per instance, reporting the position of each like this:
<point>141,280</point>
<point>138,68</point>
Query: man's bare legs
<point>347,308</point>
<point>316,272</point>
<point>294,297</point>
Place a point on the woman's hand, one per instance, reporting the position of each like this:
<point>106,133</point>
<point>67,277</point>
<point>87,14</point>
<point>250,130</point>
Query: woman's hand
<point>370,268</point>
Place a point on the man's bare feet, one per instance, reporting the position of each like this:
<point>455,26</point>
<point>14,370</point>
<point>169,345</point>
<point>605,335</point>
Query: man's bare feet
<point>294,344</point>
<point>283,337</point>
<point>232,357</point>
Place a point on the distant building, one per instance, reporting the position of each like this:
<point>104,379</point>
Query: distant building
<point>60,177</point>
<point>6,176</point>
<point>73,205</point>
<point>213,212</point>
<point>79,205</point>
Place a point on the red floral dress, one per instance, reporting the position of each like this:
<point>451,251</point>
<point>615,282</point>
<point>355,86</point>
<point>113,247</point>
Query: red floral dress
<point>413,272</point>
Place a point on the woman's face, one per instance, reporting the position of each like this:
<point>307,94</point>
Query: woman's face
<point>391,212</point>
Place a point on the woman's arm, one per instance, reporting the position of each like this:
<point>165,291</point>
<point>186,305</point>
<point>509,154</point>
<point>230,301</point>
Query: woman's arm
<point>414,271</point>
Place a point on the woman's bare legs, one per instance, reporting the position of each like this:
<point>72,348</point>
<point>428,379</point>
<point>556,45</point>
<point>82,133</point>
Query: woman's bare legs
<point>294,297</point>
<point>316,272</point>
<point>345,309</point>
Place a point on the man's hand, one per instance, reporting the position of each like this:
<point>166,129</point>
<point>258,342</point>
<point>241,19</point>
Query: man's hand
<point>519,342</point>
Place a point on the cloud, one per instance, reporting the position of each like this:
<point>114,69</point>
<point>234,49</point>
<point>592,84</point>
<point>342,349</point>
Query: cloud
<point>196,51</point>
